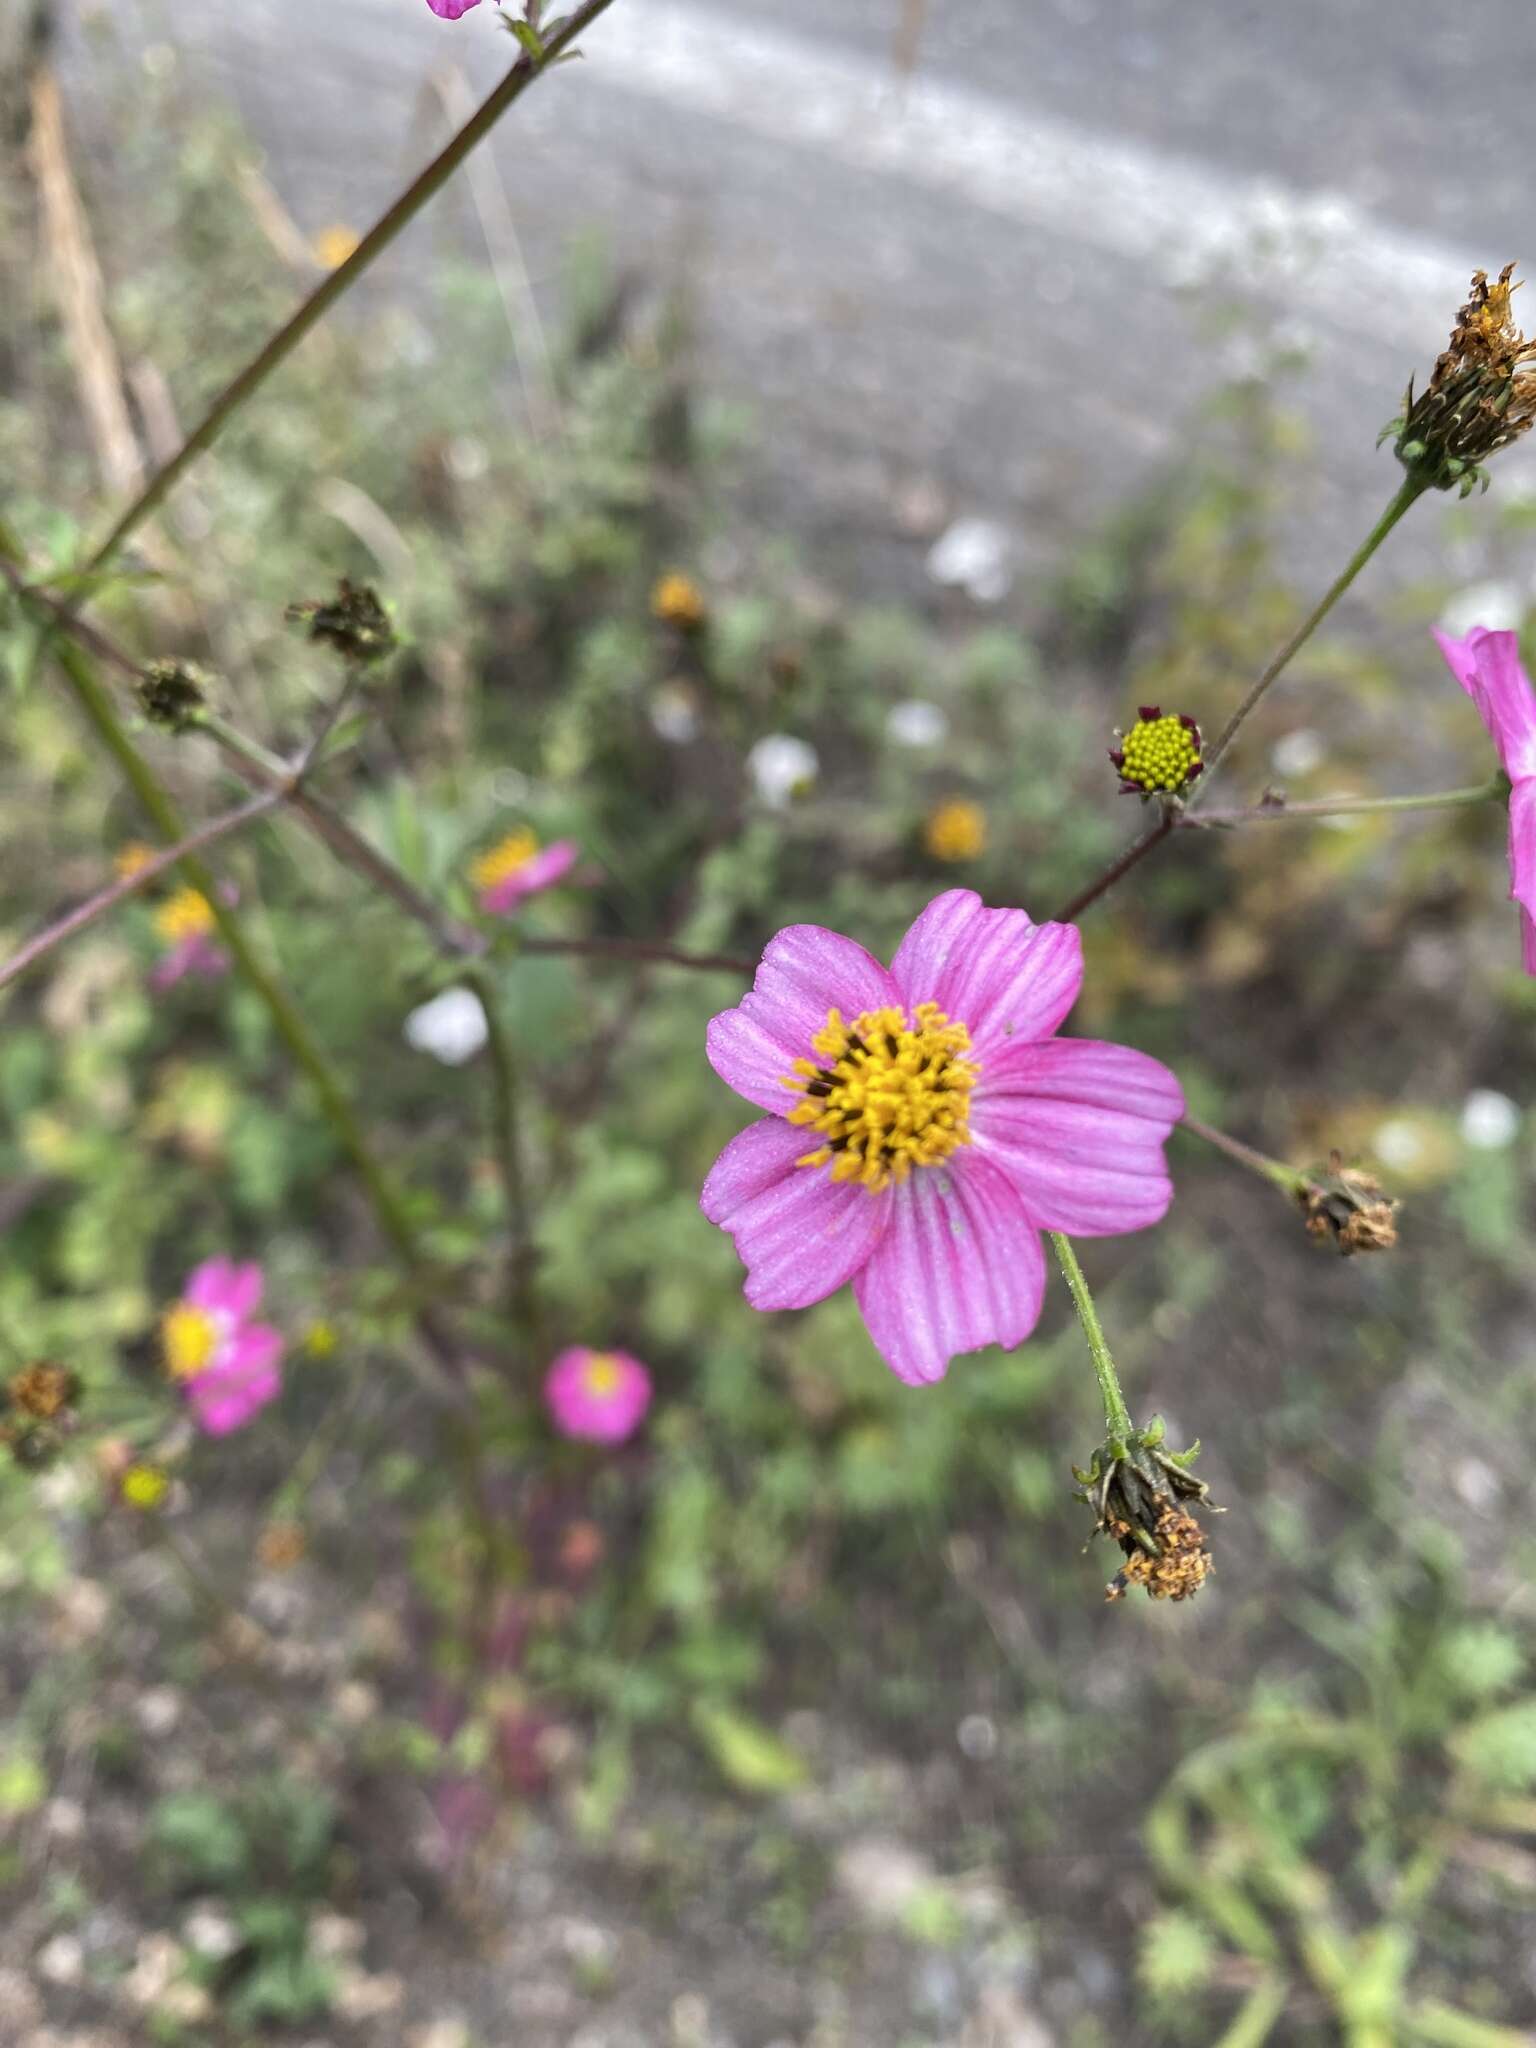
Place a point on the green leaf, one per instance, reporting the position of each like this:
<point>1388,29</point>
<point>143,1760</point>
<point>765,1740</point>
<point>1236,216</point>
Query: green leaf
<point>746,1753</point>
<point>530,39</point>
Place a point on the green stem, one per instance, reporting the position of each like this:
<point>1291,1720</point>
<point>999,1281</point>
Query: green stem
<point>1407,496</point>
<point>507,1136</point>
<point>1354,807</point>
<point>1286,1177</point>
<point>1118,1425</point>
<point>339,281</point>
<point>96,703</point>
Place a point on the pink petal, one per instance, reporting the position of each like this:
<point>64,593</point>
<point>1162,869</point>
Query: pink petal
<point>960,1267</point>
<point>541,872</point>
<point>800,1234</point>
<point>1002,977</point>
<point>450,10</point>
<point>1079,1129</point>
<point>598,1418</point>
<point>1522,843</point>
<point>1487,666</point>
<point>226,1396</point>
<point>1528,941</point>
<point>805,972</point>
<point>224,1288</point>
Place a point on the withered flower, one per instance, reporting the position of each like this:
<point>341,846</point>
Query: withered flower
<point>1348,1207</point>
<point>172,693</point>
<point>353,622</point>
<point>1141,1495</point>
<point>1481,394</point>
<point>44,1390</point>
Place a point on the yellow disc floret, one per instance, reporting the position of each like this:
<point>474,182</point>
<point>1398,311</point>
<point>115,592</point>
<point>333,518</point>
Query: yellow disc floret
<point>189,1337</point>
<point>186,915</point>
<point>1159,754</point>
<point>602,1376</point>
<point>956,830</point>
<point>144,1486</point>
<point>890,1093</point>
<point>678,601</point>
<point>505,859</point>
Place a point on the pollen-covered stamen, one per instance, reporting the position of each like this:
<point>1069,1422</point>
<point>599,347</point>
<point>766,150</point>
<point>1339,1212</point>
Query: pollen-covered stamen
<point>190,1339</point>
<point>1159,754</point>
<point>186,915</point>
<point>890,1093</point>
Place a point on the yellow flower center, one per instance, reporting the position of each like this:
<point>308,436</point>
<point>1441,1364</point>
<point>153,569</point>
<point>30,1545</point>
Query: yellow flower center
<point>889,1094</point>
<point>132,859</point>
<point>1158,753</point>
<point>505,858</point>
<point>186,915</point>
<point>956,830</point>
<point>144,1486</point>
<point>602,1376</point>
<point>189,1337</point>
<point>678,600</point>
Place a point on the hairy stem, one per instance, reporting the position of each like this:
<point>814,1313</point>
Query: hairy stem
<point>1118,1425</point>
<point>331,288</point>
<point>1286,1177</point>
<point>507,1133</point>
<point>1349,806</point>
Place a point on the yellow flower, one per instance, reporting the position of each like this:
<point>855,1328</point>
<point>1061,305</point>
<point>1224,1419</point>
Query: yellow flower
<point>189,1337</point>
<point>186,915</point>
<point>133,859</point>
<point>956,830</point>
<point>320,1339</point>
<point>333,245</point>
<point>505,859</point>
<point>678,601</point>
<point>145,1487</point>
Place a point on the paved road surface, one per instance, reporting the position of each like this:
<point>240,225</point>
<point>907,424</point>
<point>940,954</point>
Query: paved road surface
<point>987,272</point>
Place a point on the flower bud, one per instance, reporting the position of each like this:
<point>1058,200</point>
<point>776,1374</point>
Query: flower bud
<point>1159,755</point>
<point>678,601</point>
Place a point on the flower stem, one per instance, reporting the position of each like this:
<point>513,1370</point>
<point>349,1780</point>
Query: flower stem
<point>1352,807</point>
<point>506,1126</point>
<point>1404,499</point>
<point>1286,1177</point>
<point>1118,1425</point>
<point>95,701</point>
<point>340,280</point>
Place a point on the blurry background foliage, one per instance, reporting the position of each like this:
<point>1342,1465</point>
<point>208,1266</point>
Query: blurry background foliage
<point>1307,1792</point>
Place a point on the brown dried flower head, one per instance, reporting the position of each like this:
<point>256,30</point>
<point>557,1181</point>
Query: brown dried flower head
<point>44,1390</point>
<point>1349,1208</point>
<point>353,622</point>
<point>172,693</point>
<point>1481,394</point>
<point>1142,1495</point>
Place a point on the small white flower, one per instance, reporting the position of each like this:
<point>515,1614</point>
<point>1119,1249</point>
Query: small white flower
<point>452,1027</point>
<point>916,724</point>
<point>781,767</point>
<point>974,555</point>
<point>209,1931</point>
<point>1489,1120</point>
<point>1400,1143</point>
<point>1498,606</point>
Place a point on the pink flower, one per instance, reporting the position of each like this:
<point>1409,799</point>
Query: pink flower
<point>518,867</point>
<point>928,1126</point>
<point>600,1396</point>
<point>227,1365</point>
<point>186,923</point>
<point>1487,666</point>
<point>450,10</point>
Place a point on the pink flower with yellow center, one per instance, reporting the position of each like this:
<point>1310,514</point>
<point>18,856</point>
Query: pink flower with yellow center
<point>518,867</point>
<point>1487,666</point>
<point>600,1396</point>
<point>927,1125</point>
<point>226,1365</point>
<point>185,922</point>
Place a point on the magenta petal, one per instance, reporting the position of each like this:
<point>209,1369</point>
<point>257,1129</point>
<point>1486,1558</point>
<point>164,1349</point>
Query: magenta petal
<point>1487,666</point>
<point>805,972</point>
<point>450,10</point>
<point>800,1234</point>
<point>961,1266</point>
<point>226,1396</point>
<point>1079,1129</point>
<point>1528,941</point>
<point>1005,979</point>
<point>541,872</point>
<point>1522,843</point>
<point>182,959</point>
<point>224,1288</point>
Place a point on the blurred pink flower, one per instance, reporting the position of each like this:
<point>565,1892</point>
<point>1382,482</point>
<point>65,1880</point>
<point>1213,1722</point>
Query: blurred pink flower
<point>518,867</point>
<point>918,1149</point>
<point>600,1396</point>
<point>450,10</point>
<point>226,1364</point>
<point>1487,666</point>
<point>186,923</point>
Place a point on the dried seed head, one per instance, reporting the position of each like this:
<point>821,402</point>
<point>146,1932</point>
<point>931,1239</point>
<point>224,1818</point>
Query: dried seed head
<point>44,1390</point>
<point>172,693</point>
<point>1481,394</point>
<point>353,622</point>
<point>1142,1496</point>
<point>1348,1208</point>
